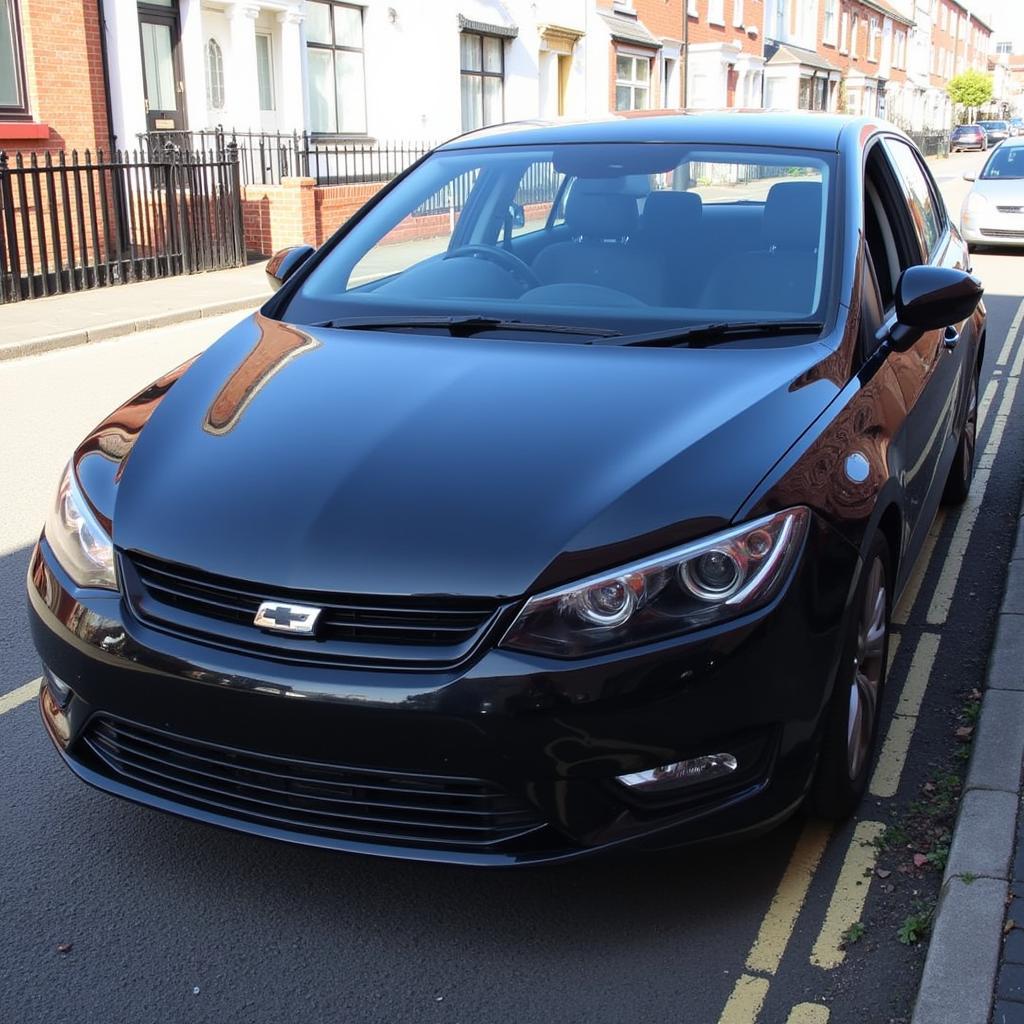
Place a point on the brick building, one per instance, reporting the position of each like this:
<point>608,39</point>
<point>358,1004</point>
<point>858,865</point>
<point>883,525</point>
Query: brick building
<point>52,82</point>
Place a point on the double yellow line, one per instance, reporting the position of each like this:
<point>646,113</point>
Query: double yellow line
<point>846,903</point>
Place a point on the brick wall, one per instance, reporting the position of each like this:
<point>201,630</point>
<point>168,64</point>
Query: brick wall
<point>64,69</point>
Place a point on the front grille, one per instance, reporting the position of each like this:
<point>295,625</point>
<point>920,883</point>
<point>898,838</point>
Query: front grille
<point>332,801</point>
<point>1001,233</point>
<point>433,631</point>
<point>1010,209</point>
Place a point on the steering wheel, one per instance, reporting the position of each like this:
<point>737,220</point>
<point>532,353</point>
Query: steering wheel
<point>503,258</point>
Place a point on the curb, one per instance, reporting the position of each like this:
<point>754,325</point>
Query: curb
<point>104,332</point>
<point>960,969</point>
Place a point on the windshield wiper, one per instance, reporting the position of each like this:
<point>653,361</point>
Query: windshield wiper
<point>464,326</point>
<point>703,335</point>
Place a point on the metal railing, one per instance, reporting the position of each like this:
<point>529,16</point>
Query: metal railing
<point>931,143</point>
<point>266,157</point>
<point>72,224</point>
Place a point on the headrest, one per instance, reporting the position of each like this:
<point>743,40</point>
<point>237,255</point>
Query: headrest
<point>600,215</point>
<point>792,215</point>
<point>671,213</point>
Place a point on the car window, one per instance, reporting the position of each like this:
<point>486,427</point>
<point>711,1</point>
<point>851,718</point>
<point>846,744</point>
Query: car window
<point>925,209</point>
<point>627,236</point>
<point>1005,162</point>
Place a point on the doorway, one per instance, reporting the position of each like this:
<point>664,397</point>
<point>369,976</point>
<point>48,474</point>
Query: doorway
<point>163,81</point>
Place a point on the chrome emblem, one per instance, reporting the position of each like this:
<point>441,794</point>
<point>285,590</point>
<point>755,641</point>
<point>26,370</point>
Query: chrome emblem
<point>286,618</point>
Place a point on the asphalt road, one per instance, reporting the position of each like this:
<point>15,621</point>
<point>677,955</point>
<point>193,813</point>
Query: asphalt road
<point>169,921</point>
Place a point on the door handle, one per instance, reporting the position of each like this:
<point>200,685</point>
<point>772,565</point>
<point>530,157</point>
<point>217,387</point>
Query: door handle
<point>950,337</point>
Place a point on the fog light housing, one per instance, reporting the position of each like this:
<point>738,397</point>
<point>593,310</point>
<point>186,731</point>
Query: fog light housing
<point>59,690</point>
<point>681,773</point>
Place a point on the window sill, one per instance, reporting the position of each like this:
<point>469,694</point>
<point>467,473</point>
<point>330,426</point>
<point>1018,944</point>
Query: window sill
<point>23,130</point>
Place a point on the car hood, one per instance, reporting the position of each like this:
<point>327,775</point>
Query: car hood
<point>365,462</point>
<point>1000,190</point>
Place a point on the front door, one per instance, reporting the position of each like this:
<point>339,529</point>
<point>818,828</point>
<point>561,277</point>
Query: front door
<point>161,70</point>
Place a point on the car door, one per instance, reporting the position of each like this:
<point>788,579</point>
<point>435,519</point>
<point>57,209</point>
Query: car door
<point>931,371</point>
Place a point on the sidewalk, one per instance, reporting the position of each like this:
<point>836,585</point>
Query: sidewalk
<point>39,325</point>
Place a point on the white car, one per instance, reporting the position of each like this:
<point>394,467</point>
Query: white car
<point>993,211</point>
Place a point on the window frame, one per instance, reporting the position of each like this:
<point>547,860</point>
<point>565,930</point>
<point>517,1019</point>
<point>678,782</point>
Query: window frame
<point>271,72</point>
<point>830,28</point>
<point>214,51</point>
<point>634,84</point>
<point>332,48</point>
<point>19,111</point>
<point>483,74</point>
<point>889,144</point>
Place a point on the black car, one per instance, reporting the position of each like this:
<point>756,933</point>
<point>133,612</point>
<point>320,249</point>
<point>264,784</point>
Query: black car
<point>968,136</point>
<point>996,131</point>
<point>558,503</point>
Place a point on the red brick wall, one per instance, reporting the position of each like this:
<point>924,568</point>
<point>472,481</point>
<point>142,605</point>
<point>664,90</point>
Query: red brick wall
<point>64,69</point>
<point>703,31</point>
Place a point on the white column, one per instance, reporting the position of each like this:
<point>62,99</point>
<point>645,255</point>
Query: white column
<point>243,93</point>
<point>291,107</point>
<point>193,61</point>
<point>125,60</point>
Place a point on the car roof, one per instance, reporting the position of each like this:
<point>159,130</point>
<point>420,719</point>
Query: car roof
<point>737,127</point>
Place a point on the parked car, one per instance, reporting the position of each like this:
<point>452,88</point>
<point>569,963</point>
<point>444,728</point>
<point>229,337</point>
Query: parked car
<point>993,210</point>
<point>996,131</point>
<point>558,503</point>
<point>968,136</point>
<point>1016,125</point>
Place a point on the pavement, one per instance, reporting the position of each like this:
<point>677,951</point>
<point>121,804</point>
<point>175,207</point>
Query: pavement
<point>112,912</point>
<point>77,318</point>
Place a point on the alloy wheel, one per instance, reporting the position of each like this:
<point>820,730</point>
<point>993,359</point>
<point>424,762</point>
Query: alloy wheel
<point>867,669</point>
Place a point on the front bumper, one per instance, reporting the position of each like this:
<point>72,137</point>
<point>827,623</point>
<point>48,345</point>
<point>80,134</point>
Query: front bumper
<point>993,227</point>
<point>303,753</point>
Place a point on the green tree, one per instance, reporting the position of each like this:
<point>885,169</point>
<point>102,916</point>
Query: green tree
<point>971,88</point>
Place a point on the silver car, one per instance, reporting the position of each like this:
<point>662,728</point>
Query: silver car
<point>993,212</point>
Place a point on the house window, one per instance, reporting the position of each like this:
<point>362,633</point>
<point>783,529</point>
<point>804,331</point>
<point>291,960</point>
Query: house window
<point>265,70</point>
<point>737,13</point>
<point>844,32</point>
<point>334,62</point>
<point>854,29</point>
<point>1004,47</point>
<point>632,82</point>
<point>13,97</point>
<point>830,22</point>
<point>780,19</point>
<point>214,75</point>
<point>716,12</point>
<point>483,80</point>
<point>874,34</point>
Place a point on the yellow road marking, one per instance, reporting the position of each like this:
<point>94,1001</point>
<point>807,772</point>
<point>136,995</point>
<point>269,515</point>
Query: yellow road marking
<point>942,597</point>
<point>746,1000</point>
<point>15,698</point>
<point>886,779</point>
<point>808,1013</point>
<point>847,903</point>
<point>777,926</point>
<point>902,612</point>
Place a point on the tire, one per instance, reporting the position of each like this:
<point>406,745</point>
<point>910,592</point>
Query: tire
<point>851,719</point>
<point>961,472</point>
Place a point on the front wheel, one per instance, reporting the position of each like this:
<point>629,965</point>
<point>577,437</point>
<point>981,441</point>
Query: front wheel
<point>852,715</point>
<point>961,473</point>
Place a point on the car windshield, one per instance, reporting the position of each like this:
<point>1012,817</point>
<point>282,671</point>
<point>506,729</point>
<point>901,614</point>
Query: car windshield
<point>620,237</point>
<point>1005,162</point>
<point>996,126</point>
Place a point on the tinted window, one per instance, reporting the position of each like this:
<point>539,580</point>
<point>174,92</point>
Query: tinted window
<point>924,209</point>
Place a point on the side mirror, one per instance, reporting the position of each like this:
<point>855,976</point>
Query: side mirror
<point>970,177</point>
<point>929,299</point>
<point>285,262</point>
<point>517,215</point>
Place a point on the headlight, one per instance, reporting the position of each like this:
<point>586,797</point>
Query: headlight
<point>81,545</point>
<point>721,577</point>
<point>975,203</point>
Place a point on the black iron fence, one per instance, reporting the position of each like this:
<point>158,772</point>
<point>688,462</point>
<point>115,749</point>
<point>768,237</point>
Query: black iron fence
<point>71,224</point>
<point>931,143</point>
<point>265,158</point>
